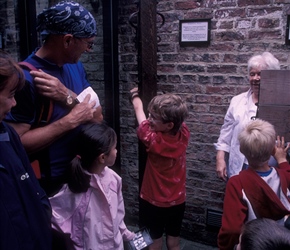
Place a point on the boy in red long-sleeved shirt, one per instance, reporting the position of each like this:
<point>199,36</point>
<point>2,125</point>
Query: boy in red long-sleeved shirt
<point>165,137</point>
<point>260,191</point>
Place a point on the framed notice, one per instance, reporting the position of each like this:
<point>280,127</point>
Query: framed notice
<point>194,32</point>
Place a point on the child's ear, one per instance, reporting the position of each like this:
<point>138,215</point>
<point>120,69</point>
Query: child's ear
<point>274,151</point>
<point>170,125</point>
<point>101,158</point>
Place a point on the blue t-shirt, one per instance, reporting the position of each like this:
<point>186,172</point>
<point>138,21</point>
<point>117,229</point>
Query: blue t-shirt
<point>73,76</point>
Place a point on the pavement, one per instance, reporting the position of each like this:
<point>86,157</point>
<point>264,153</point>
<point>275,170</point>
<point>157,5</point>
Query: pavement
<point>190,245</point>
<point>184,244</point>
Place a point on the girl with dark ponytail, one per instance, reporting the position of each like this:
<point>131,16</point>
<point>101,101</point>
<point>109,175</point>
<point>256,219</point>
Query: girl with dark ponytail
<point>95,143</point>
<point>90,207</point>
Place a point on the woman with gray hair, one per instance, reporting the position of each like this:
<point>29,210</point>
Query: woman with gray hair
<point>243,108</point>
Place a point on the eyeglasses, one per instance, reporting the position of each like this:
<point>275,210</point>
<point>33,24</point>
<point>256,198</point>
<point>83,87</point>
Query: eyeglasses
<point>89,44</point>
<point>154,118</point>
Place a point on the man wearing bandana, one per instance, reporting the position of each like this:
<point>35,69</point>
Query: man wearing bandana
<point>67,30</point>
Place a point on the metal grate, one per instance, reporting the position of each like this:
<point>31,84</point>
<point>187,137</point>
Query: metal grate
<point>214,218</point>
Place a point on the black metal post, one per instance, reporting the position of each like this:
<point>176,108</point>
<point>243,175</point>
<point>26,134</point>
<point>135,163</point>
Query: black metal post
<point>27,27</point>
<point>111,69</point>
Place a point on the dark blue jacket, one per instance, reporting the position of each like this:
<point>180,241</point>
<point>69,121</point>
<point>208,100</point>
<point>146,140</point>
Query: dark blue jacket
<point>25,212</point>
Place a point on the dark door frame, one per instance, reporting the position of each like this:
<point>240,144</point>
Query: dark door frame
<point>26,10</point>
<point>111,70</point>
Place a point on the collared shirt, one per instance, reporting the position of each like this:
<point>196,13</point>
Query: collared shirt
<point>94,219</point>
<point>239,114</point>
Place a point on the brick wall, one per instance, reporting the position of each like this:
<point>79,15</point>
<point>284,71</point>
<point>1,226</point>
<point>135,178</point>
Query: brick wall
<point>207,78</point>
<point>8,32</point>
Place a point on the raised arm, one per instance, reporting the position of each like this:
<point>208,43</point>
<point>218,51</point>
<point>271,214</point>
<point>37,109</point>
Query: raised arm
<point>280,153</point>
<point>138,105</point>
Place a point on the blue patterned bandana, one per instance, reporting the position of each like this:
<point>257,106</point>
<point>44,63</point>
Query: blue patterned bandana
<point>66,18</point>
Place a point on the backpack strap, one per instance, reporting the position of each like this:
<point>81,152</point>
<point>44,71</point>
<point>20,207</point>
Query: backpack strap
<point>45,105</point>
<point>40,160</point>
<point>27,66</point>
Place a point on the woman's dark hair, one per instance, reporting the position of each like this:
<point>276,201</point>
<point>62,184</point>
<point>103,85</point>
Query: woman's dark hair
<point>94,139</point>
<point>10,72</point>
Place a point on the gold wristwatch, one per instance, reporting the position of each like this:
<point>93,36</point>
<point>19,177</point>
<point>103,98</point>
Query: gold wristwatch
<point>69,99</point>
